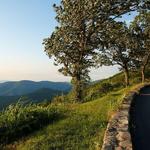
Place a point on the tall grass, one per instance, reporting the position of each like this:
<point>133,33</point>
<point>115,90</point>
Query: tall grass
<point>82,129</point>
<point>78,126</point>
<point>19,120</point>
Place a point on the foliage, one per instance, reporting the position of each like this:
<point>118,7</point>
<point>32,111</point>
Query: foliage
<point>82,129</point>
<point>19,120</point>
<point>38,96</point>
<point>80,34</point>
<point>77,126</point>
<point>112,84</point>
<point>101,88</point>
<point>118,51</point>
<point>140,29</point>
<point>74,45</point>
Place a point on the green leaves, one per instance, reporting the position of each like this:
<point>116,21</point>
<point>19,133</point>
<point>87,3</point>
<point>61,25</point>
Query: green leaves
<point>81,35</point>
<point>140,29</point>
<point>19,120</point>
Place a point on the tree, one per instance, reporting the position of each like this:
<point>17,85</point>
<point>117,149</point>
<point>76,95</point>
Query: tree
<point>80,32</point>
<point>140,29</point>
<point>69,43</point>
<point>117,51</point>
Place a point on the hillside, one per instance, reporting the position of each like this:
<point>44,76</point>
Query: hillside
<point>76,126</point>
<point>41,95</point>
<point>25,87</point>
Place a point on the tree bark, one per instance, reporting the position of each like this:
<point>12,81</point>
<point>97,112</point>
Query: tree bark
<point>126,73</point>
<point>77,88</point>
<point>143,74</point>
<point>144,67</point>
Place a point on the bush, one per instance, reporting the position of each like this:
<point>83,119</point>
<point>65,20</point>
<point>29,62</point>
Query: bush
<point>19,120</point>
<point>105,87</point>
<point>99,90</point>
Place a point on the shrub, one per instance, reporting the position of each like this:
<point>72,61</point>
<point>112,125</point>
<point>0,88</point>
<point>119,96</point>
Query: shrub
<point>19,120</point>
<point>105,87</point>
<point>99,90</point>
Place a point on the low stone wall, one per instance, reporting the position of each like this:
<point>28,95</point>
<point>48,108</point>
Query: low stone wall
<point>117,135</point>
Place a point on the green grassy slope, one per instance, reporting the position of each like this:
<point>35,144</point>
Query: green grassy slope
<point>84,124</point>
<point>83,128</point>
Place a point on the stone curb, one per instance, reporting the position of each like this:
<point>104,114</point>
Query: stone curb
<point>117,135</point>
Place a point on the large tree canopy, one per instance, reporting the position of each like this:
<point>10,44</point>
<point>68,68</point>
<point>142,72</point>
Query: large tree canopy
<point>80,33</point>
<point>140,29</point>
<point>118,50</point>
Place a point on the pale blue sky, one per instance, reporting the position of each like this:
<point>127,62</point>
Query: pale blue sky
<point>23,26</point>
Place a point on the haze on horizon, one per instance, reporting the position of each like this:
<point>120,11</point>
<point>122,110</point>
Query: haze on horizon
<point>23,26</point>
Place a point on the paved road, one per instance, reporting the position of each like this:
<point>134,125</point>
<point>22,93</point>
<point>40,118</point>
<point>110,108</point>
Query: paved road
<point>140,120</point>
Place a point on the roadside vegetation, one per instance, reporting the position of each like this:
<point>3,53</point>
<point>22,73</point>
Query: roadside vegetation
<point>19,120</point>
<point>88,36</point>
<point>65,125</point>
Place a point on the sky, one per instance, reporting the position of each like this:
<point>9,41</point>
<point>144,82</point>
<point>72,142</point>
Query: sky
<point>23,26</point>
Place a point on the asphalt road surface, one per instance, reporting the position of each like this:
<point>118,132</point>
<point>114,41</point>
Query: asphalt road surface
<point>140,121</point>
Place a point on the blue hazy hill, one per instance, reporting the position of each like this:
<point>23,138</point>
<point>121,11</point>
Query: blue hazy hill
<point>17,88</point>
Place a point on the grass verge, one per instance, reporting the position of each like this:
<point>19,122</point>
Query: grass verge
<point>82,129</point>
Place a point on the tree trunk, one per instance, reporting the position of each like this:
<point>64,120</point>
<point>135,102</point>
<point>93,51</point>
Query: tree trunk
<point>146,59</point>
<point>126,73</point>
<point>77,88</point>
<point>143,74</point>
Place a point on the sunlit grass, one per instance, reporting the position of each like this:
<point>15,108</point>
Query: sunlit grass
<point>77,126</point>
<point>82,129</point>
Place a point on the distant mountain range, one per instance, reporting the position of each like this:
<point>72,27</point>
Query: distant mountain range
<point>35,92</point>
<point>12,88</point>
<point>2,81</point>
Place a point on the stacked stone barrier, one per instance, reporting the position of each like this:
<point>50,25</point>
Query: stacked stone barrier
<point>117,135</point>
